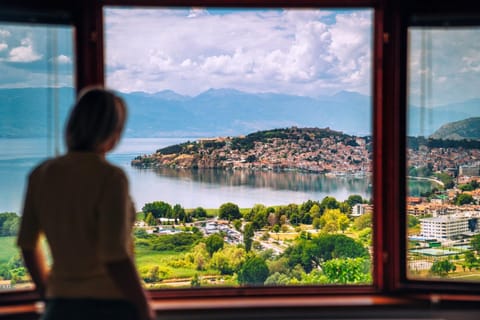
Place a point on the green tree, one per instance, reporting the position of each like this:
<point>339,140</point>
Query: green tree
<point>354,199</point>
<point>442,267</point>
<point>150,219</point>
<point>362,222</point>
<point>237,224</point>
<point>199,212</point>
<point>9,223</point>
<point>475,243</point>
<point>253,272</point>
<point>333,220</point>
<point>329,203</point>
<point>229,211</point>
<point>159,209</point>
<point>228,260</point>
<point>214,243</point>
<point>463,198</point>
<point>315,211</point>
<point>311,253</point>
<point>316,223</point>
<point>248,233</point>
<point>179,213</point>
<point>347,271</point>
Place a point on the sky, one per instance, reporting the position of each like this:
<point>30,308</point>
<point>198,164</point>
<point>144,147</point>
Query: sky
<point>302,52</point>
<point>29,54</point>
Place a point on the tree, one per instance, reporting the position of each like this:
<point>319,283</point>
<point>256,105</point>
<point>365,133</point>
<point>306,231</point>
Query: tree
<point>159,209</point>
<point>199,212</point>
<point>248,233</point>
<point>463,198</point>
<point>214,243</point>
<point>362,222</point>
<point>354,199</point>
<point>475,242</point>
<point>228,260</point>
<point>150,219</point>
<point>229,211</point>
<point>329,203</point>
<point>237,224</point>
<point>253,272</point>
<point>179,213</point>
<point>442,267</point>
<point>9,223</point>
<point>311,253</point>
<point>333,220</point>
<point>315,211</point>
<point>347,271</point>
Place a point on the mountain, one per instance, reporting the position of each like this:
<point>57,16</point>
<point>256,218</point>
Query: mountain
<point>424,121</point>
<point>229,112</point>
<point>215,112</point>
<point>459,130</point>
<point>24,111</point>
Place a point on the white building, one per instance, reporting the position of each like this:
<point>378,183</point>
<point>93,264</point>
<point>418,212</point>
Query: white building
<point>361,209</point>
<point>444,227</point>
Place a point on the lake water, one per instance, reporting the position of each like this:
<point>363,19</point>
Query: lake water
<point>190,188</point>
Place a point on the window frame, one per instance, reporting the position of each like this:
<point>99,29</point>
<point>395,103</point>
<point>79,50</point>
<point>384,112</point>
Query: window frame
<point>444,13</point>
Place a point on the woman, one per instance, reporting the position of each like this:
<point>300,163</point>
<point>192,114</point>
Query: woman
<point>81,203</point>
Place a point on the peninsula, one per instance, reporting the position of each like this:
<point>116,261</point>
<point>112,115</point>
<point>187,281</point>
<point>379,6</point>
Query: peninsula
<point>296,149</point>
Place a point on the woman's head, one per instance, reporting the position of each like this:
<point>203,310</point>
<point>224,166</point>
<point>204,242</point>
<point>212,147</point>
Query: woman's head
<point>96,121</point>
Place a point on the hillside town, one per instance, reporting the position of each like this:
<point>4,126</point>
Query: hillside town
<point>300,149</point>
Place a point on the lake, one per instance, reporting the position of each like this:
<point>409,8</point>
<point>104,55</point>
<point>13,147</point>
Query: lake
<point>190,188</point>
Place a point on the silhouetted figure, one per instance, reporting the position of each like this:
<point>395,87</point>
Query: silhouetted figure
<point>81,203</point>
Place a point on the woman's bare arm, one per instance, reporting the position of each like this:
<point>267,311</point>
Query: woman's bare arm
<point>37,267</point>
<point>125,276</point>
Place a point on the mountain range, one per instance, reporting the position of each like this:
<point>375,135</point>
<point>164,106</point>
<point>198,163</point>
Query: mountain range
<point>216,112</point>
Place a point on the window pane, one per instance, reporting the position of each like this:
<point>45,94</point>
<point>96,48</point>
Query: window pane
<point>248,144</point>
<point>36,89</point>
<point>443,154</point>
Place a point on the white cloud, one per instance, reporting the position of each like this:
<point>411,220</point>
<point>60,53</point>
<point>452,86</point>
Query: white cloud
<point>3,46</point>
<point>4,33</point>
<point>24,53</point>
<point>445,63</point>
<point>61,59</point>
<point>292,52</point>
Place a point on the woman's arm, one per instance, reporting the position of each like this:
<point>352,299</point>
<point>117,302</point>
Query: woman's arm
<point>125,276</point>
<point>37,267</point>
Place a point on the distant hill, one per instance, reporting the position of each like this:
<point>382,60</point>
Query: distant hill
<point>215,112</point>
<point>468,129</point>
<point>220,112</point>
<point>425,121</point>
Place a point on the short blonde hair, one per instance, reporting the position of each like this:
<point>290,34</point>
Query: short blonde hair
<point>96,116</point>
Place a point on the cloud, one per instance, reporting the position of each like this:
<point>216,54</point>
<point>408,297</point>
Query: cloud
<point>24,53</point>
<point>444,65</point>
<point>4,33</point>
<point>304,52</point>
<point>3,46</point>
<point>62,59</point>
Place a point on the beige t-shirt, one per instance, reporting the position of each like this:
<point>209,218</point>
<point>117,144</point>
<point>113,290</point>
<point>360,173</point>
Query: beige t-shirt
<point>82,205</point>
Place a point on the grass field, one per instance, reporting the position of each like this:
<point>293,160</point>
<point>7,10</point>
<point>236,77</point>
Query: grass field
<point>148,258</point>
<point>7,248</point>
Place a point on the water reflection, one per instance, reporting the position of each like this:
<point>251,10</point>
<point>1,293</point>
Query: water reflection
<point>292,181</point>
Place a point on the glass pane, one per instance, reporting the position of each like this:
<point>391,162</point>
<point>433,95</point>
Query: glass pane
<point>443,154</point>
<point>36,91</point>
<point>248,144</point>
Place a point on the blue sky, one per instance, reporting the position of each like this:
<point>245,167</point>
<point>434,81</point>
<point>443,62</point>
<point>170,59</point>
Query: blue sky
<point>27,53</point>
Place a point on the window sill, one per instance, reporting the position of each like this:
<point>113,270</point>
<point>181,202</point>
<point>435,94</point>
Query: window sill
<point>432,306</point>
